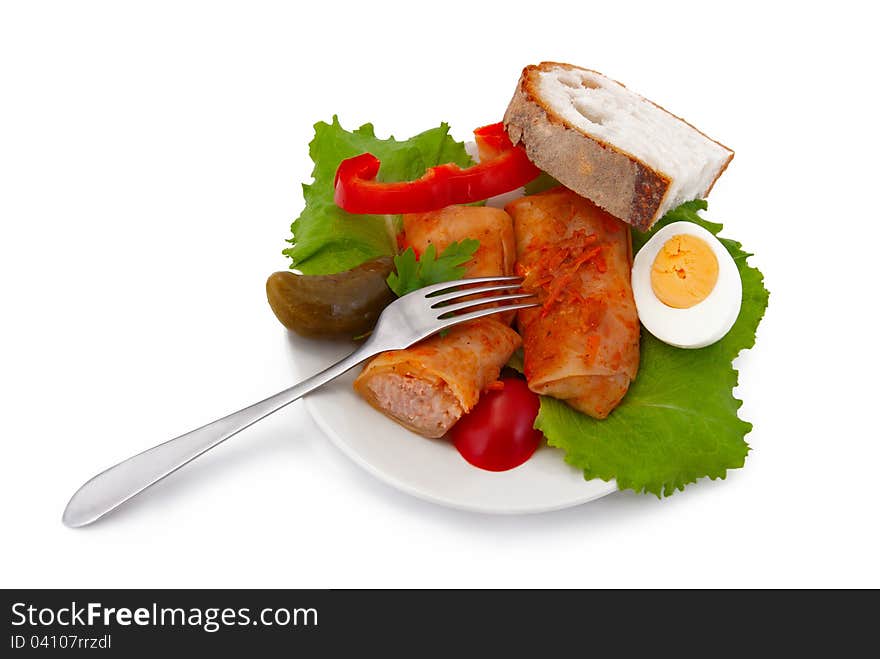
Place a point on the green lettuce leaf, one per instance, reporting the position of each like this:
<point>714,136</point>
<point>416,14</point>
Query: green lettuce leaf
<point>540,184</point>
<point>412,274</point>
<point>678,422</point>
<point>326,239</point>
<point>517,361</point>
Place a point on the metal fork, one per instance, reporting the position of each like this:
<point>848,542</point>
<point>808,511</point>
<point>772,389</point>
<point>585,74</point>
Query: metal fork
<point>405,321</point>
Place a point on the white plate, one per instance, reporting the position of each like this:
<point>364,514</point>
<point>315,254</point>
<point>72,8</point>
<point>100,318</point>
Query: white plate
<point>432,469</point>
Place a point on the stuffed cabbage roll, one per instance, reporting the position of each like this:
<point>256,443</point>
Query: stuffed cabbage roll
<point>429,386</point>
<point>493,227</point>
<point>582,344</point>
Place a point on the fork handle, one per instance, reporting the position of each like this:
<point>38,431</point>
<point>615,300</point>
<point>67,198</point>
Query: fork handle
<point>113,487</point>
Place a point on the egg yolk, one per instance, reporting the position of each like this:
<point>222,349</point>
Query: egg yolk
<point>684,271</point>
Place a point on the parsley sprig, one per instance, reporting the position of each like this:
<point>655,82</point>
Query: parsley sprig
<point>414,273</point>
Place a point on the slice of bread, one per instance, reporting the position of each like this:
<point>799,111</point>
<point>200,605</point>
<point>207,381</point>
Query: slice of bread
<point>610,145</point>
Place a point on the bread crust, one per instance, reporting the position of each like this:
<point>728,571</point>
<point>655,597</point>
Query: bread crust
<point>613,179</point>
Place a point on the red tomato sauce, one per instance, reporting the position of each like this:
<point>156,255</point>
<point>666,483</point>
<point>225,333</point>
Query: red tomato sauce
<point>499,434</point>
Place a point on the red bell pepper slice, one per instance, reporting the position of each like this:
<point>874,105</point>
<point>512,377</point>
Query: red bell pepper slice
<point>503,167</point>
<point>492,141</point>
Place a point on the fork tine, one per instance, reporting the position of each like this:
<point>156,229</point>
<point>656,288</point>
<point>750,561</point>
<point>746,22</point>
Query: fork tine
<point>473,315</point>
<point>431,291</point>
<point>443,298</point>
<point>473,304</point>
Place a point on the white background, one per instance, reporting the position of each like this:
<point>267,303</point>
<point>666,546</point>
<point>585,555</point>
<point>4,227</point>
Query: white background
<point>150,161</point>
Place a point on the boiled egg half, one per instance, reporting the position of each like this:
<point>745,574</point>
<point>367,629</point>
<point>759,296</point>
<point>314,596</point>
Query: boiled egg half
<point>686,286</point>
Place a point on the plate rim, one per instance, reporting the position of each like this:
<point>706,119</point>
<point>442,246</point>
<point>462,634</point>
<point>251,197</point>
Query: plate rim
<point>608,487</point>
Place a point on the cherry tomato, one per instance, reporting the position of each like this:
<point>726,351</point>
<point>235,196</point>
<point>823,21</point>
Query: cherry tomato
<point>497,434</point>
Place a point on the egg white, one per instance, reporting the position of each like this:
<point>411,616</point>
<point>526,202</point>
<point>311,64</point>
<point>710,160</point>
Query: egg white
<point>702,324</point>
